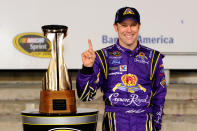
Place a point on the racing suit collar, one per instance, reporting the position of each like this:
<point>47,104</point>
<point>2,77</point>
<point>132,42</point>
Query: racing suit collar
<point>135,51</point>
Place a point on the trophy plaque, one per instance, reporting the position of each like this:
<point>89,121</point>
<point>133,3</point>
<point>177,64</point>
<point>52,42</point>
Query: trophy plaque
<point>57,95</point>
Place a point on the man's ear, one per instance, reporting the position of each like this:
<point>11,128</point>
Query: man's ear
<point>139,26</point>
<point>116,27</point>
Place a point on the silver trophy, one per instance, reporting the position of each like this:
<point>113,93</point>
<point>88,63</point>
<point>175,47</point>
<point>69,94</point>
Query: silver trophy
<point>57,95</point>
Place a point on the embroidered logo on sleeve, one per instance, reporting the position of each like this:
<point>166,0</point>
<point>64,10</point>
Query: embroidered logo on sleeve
<point>163,82</point>
<point>161,73</point>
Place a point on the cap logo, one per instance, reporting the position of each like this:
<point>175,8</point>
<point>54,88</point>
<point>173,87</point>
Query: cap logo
<point>128,11</point>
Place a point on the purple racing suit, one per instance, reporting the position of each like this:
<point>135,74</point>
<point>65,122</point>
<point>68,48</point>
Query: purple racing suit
<point>133,85</point>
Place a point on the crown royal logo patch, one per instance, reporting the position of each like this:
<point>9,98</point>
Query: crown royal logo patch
<point>129,84</point>
<point>141,58</point>
<point>128,11</point>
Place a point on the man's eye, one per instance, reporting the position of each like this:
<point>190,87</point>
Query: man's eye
<point>124,25</point>
<point>134,24</point>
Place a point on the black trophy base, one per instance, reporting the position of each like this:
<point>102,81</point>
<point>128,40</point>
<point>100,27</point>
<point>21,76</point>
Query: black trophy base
<point>83,120</point>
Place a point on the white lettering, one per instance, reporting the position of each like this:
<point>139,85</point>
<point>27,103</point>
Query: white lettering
<point>141,61</point>
<point>134,99</point>
<point>35,40</point>
<point>115,73</point>
<point>159,115</point>
<point>135,111</point>
<point>38,47</point>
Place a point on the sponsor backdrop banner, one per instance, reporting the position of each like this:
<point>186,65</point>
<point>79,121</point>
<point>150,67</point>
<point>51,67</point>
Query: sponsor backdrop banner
<point>168,26</point>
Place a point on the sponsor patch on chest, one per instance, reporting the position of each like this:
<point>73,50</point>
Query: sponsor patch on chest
<point>114,68</point>
<point>129,84</point>
<point>114,62</point>
<point>115,53</point>
<point>123,67</point>
<point>141,58</point>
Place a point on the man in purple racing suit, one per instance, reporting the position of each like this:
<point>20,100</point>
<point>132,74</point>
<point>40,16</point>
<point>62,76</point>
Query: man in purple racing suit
<point>130,75</point>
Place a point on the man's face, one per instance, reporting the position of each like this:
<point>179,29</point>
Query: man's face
<point>128,31</point>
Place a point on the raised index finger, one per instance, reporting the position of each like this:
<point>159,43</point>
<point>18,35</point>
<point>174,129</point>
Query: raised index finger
<point>90,44</point>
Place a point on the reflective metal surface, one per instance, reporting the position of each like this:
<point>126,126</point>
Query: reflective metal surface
<point>56,77</point>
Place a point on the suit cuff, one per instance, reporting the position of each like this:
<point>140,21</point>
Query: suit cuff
<point>86,70</point>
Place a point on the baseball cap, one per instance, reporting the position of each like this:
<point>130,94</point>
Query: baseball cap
<point>127,13</point>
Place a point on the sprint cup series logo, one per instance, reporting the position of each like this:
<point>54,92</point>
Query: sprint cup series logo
<point>34,44</point>
<point>63,129</point>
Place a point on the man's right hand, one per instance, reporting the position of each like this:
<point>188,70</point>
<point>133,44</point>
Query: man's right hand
<point>88,57</point>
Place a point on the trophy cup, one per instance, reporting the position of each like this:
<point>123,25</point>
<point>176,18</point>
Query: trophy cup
<point>56,95</point>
